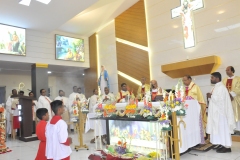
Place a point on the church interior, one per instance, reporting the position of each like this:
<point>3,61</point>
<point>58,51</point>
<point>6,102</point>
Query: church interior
<point>90,46</point>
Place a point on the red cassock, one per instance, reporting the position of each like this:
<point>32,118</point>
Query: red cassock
<point>40,131</point>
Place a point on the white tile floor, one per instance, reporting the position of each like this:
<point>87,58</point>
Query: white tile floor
<point>27,151</point>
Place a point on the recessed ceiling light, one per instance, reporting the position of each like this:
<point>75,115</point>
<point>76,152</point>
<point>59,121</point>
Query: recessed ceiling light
<point>49,72</point>
<point>83,74</point>
<point>44,1</point>
<point>221,12</point>
<point>25,2</point>
<point>217,20</point>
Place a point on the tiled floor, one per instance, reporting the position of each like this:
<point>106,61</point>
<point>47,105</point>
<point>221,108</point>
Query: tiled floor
<point>27,151</point>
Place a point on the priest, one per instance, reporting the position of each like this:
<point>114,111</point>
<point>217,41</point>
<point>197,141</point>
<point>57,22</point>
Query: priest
<point>232,83</point>
<point>143,88</point>
<point>93,100</point>
<point>123,93</point>
<point>155,90</point>
<point>73,97</point>
<point>44,102</point>
<point>61,97</point>
<point>107,97</point>
<point>194,91</point>
<point>221,123</point>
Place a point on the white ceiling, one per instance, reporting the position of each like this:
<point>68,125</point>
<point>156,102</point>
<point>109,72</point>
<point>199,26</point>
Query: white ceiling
<point>82,17</point>
<point>96,16</point>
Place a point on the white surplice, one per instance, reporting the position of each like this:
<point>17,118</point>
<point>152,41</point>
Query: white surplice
<point>221,123</point>
<point>56,135</point>
<point>44,102</point>
<point>93,101</point>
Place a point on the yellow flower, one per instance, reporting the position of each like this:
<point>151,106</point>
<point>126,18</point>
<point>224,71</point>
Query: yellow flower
<point>177,102</point>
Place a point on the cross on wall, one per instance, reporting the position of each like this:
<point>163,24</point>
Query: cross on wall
<point>185,11</point>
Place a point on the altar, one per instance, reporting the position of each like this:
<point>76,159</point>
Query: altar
<point>143,133</point>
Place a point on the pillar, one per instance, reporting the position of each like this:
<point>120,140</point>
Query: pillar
<point>39,78</point>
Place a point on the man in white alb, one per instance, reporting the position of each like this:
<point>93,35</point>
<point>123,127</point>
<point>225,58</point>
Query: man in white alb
<point>61,97</point>
<point>232,83</point>
<point>75,96</point>
<point>107,97</point>
<point>44,102</point>
<point>221,121</point>
<point>93,101</point>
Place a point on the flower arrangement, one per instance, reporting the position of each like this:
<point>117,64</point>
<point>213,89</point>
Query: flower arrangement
<point>121,147</point>
<point>131,108</point>
<point>109,110</point>
<point>153,155</point>
<point>99,110</point>
<point>147,111</point>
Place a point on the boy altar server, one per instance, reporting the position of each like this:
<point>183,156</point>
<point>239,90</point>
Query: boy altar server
<point>58,142</point>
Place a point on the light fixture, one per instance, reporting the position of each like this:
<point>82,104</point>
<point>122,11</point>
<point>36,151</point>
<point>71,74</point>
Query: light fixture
<point>83,74</point>
<point>130,78</point>
<point>49,72</point>
<point>25,2</point>
<point>221,12</point>
<point>175,26</point>
<point>44,1</point>
<point>132,44</point>
<point>217,20</point>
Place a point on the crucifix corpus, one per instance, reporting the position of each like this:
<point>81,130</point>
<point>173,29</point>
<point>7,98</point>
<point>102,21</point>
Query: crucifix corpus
<point>185,11</point>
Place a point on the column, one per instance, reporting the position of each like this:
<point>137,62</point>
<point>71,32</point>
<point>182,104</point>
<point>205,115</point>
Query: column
<point>39,78</point>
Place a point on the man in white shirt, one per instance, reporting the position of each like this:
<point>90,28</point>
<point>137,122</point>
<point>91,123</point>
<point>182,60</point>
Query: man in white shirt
<point>221,121</point>
<point>12,111</point>
<point>44,102</point>
<point>73,97</point>
<point>232,83</point>
<point>107,97</point>
<point>34,109</point>
<point>61,97</point>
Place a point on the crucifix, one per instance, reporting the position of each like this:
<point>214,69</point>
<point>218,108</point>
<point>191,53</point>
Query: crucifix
<point>185,10</point>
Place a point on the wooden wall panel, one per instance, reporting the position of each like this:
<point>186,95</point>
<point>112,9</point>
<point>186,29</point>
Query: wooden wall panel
<point>90,76</point>
<point>132,61</point>
<point>131,24</point>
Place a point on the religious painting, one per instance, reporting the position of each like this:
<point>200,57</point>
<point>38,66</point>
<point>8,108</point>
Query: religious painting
<point>12,40</point>
<point>140,136</point>
<point>186,12</point>
<point>69,49</point>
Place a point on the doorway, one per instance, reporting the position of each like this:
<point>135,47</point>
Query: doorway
<point>2,94</point>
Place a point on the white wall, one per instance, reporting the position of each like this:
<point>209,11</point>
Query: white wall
<point>108,55</point>
<point>40,48</point>
<point>166,42</point>
<point>55,83</point>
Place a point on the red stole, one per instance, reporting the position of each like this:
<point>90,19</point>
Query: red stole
<point>187,90</point>
<point>229,84</point>
<point>154,94</point>
<point>121,96</point>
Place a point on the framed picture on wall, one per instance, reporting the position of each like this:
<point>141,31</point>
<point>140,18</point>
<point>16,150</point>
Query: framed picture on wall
<point>12,40</point>
<point>69,49</point>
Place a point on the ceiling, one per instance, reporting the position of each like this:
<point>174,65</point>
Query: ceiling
<point>25,69</point>
<point>81,17</point>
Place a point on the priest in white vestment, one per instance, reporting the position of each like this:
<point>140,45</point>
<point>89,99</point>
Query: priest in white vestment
<point>221,123</point>
<point>232,83</point>
<point>93,101</point>
<point>107,97</point>
<point>75,96</point>
<point>143,89</point>
<point>61,97</point>
<point>155,90</point>
<point>44,102</point>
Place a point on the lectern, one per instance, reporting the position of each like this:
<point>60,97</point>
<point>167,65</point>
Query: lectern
<point>26,119</point>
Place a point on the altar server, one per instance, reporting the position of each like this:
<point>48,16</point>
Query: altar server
<point>61,97</point>
<point>232,83</point>
<point>58,142</point>
<point>221,121</point>
<point>44,102</point>
<point>194,91</point>
<point>123,93</point>
<point>143,88</point>
<point>42,114</point>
